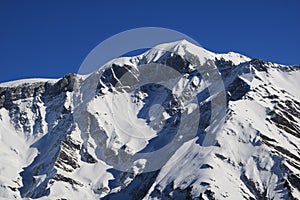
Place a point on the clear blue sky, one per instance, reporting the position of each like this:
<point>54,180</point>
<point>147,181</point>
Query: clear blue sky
<point>51,38</point>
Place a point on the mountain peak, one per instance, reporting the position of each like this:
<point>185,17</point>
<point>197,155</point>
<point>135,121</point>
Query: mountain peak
<point>72,139</point>
<point>181,47</point>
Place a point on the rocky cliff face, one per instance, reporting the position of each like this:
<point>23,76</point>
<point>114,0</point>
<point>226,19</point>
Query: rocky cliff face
<point>68,138</point>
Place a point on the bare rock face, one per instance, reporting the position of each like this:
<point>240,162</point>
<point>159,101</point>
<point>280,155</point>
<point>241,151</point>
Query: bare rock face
<point>63,150</point>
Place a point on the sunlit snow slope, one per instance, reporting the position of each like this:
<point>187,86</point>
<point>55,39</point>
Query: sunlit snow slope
<point>70,138</point>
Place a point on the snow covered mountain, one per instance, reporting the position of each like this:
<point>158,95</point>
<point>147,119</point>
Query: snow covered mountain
<point>75,137</point>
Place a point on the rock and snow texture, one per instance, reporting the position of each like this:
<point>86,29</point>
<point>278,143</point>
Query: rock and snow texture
<point>52,147</point>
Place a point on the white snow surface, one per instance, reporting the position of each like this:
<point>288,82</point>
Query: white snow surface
<point>183,46</point>
<point>16,83</point>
